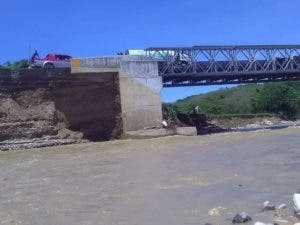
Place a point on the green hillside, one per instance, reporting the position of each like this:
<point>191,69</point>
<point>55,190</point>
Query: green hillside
<point>278,98</point>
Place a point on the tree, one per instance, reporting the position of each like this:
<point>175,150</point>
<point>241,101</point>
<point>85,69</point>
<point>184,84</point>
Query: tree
<point>21,64</point>
<point>171,110</point>
<point>275,98</point>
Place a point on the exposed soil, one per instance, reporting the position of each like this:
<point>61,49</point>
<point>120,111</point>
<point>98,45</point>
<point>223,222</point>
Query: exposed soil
<point>241,121</point>
<point>37,103</point>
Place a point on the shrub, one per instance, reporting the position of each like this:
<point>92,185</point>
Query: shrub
<point>275,98</point>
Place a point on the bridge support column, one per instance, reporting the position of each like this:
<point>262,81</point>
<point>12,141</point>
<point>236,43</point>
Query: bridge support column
<point>140,88</point>
<point>139,85</point>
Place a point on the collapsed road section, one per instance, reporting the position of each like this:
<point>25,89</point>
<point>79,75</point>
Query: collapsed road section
<point>37,103</point>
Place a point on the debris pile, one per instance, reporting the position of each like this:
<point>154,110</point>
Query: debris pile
<point>46,141</point>
<point>243,217</point>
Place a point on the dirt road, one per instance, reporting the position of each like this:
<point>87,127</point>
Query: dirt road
<point>171,180</point>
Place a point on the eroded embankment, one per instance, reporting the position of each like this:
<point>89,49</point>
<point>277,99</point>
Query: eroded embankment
<point>36,103</point>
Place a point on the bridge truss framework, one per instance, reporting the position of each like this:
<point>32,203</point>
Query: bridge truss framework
<point>210,65</point>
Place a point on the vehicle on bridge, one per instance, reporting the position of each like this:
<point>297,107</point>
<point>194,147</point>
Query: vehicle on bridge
<point>181,59</point>
<point>52,60</point>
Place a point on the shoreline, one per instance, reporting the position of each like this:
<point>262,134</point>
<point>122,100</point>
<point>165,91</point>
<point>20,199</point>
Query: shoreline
<point>52,141</point>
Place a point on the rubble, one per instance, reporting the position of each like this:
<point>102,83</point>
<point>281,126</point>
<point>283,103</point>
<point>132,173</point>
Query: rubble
<point>216,211</point>
<point>296,200</point>
<point>267,206</point>
<point>241,217</point>
<point>260,223</point>
<point>281,206</point>
<point>164,123</point>
<point>281,221</point>
<point>46,141</point>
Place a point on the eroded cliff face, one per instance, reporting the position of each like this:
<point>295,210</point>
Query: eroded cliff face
<point>35,103</point>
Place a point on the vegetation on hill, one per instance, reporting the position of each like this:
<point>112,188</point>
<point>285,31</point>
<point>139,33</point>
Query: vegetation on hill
<point>21,64</point>
<point>282,99</point>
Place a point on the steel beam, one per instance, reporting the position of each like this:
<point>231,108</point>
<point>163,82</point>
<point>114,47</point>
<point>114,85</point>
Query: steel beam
<point>200,65</point>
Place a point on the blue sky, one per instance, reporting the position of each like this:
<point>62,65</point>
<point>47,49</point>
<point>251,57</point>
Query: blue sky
<point>98,27</point>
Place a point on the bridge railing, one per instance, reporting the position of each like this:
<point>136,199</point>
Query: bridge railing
<point>199,60</point>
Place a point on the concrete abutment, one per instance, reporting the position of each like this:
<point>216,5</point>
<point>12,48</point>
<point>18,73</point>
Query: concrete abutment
<point>139,85</point>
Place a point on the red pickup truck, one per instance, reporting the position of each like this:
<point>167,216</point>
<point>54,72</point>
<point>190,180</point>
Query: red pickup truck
<point>52,60</point>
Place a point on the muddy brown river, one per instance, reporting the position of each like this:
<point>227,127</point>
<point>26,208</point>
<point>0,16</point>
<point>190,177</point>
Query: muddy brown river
<point>163,181</point>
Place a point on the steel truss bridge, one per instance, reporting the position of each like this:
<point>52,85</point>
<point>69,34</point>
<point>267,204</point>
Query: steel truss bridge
<point>211,65</point>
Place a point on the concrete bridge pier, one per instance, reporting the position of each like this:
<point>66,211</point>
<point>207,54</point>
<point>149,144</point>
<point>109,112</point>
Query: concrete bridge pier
<point>139,86</point>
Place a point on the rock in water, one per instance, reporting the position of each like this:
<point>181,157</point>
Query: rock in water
<point>241,217</point>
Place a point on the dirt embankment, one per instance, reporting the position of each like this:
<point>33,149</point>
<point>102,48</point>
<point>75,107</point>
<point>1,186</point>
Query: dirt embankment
<point>35,103</point>
<point>244,120</point>
<point>223,123</point>
<point>207,124</point>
